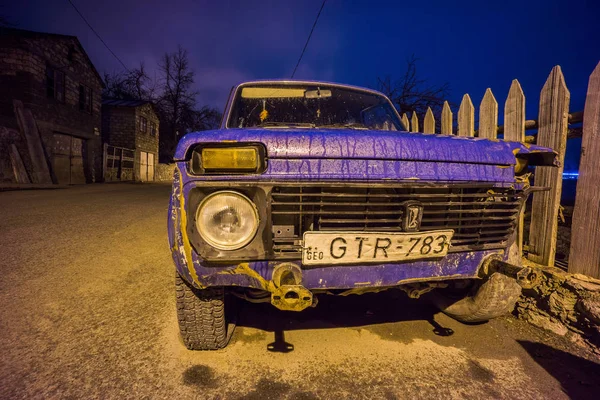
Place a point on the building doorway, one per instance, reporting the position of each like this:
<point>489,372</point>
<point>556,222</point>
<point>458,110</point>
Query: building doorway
<point>67,159</point>
<point>146,166</point>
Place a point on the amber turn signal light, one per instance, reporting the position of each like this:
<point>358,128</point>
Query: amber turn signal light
<point>230,159</point>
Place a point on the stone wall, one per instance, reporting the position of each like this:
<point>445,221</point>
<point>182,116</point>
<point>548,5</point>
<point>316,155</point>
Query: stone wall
<point>119,126</point>
<point>164,172</point>
<point>24,57</point>
<point>10,136</point>
<point>145,141</point>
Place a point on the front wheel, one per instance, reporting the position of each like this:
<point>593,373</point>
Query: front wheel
<point>201,316</point>
<point>494,297</point>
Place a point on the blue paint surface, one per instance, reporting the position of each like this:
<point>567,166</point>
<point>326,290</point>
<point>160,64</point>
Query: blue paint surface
<point>372,171</point>
<point>454,265</point>
<point>362,144</point>
<point>348,155</point>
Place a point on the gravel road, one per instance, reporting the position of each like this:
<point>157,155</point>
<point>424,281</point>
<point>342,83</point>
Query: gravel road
<point>88,311</point>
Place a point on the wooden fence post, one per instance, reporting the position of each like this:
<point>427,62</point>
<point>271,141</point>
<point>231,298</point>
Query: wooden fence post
<point>466,117</point>
<point>104,161</point>
<point>414,122</point>
<point>446,119</point>
<point>121,165</point>
<point>514,130</point>
<point>405,122</point>
<point>112,167</point>
<point>584,257</point>
<point>514,114</point>
<point>488,116</point>
<point>552,132</point>
<point>429,122</point>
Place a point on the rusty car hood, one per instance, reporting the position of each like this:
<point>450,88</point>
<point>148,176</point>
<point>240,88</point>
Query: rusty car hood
<point>371,145</point>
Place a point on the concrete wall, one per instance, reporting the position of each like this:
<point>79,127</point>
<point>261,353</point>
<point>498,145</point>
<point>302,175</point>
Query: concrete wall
<point>23,61</point>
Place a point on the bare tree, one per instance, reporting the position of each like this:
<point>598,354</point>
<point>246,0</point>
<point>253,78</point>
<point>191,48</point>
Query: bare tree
<point>177,103</point>
<point>413,94</point>
<point>134,84</point>
<point>178,96</point>
<point>173,95</point>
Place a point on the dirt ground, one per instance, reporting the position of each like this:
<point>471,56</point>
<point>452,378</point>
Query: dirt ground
<point>88,311</point>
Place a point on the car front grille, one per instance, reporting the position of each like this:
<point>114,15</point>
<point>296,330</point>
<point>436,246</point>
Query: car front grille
<point>482,217</point>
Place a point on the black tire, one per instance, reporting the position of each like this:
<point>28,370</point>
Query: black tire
<point>492,298</point>
<point>201,315</point>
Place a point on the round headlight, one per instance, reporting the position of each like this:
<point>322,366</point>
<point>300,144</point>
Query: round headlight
<point>227,220</point>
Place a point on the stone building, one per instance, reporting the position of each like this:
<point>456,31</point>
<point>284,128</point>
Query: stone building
<point>133,124</point>
<point>48,85</point>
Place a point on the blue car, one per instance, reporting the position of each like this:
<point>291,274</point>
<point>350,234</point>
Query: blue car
<point>313,188</point>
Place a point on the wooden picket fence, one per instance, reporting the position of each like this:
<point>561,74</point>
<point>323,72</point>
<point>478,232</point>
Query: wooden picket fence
<point>552,127</point>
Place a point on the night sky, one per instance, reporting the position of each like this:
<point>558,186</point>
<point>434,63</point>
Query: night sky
<point>470,44</point>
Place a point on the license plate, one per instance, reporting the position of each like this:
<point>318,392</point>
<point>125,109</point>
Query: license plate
<point>329,248</point>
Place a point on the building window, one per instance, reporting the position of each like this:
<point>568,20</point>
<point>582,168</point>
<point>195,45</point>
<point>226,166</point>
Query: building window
<point>152,128</point>
<point>143,124</point>
<point>55,84</point>
<point>85,98</point>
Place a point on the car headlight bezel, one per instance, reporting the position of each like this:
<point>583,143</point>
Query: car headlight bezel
<point>203,230</point>
<point>226,158</point>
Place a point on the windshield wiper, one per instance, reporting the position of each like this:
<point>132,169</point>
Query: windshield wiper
<point>350,125</point>
<point>272,124</point>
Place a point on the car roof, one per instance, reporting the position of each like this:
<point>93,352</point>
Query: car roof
<point>306,82</point>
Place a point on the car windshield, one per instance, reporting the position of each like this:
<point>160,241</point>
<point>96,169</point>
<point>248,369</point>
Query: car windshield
<point>311,106</point>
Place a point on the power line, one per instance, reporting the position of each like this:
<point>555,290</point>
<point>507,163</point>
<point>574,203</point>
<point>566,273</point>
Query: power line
<point>307,39</point>
<point>96,33</point>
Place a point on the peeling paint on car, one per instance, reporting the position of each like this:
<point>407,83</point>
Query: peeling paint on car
<point>364,144</point>
<point>179,242</point>
<point>244,269</point>
<point>340,156</point>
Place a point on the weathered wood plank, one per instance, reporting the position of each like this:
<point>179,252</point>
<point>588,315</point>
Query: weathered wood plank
<point>574,118</point>
<point>584,257</point>
<point>488,116</point>
<point>414,123</point>
<point>104,160</point>
<point>18,167</point>
<point>405,122</point>
<point>553,124</point>
<point>429,122</point>
<point>466,117</point>
<point>446,119</point>
<point>514,130</point>
<point>514,114</point>
<point>27,125</point>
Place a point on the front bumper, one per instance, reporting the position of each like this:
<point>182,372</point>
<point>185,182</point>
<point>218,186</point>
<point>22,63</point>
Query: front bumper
<point>259,274</point>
